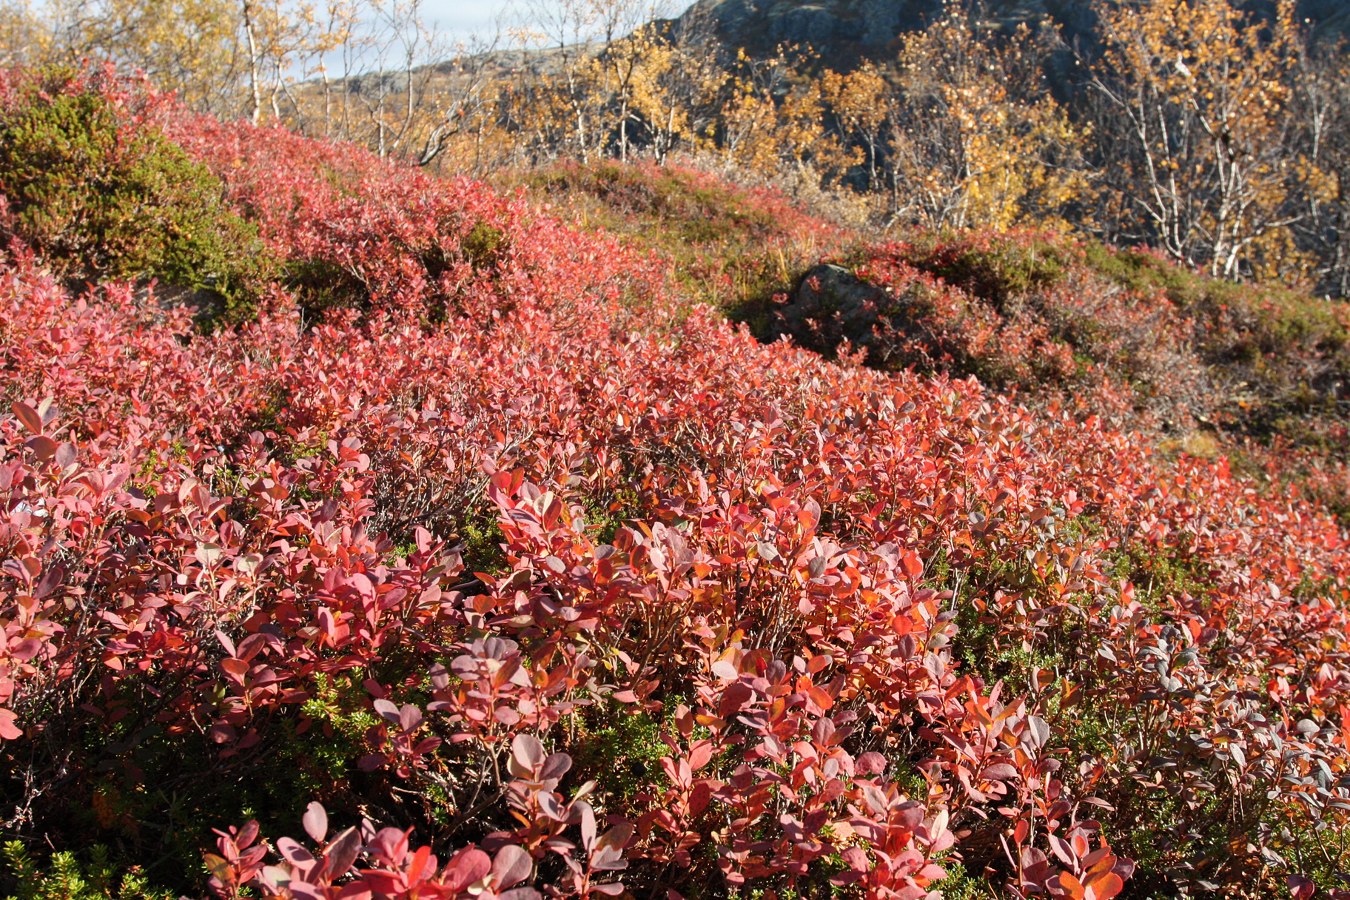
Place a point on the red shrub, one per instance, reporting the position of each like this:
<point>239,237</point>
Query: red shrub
<point>880,627</point>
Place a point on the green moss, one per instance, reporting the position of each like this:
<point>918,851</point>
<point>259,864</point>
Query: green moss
<point>482,539</point>
<point>1159,573</point>
<point>606,515</point>
<point>484,245</point>
<point>340,719</point>
<point>623,754</point>
<point>961,885</point>
<point>995,270</point>
<point>688,211</point>
<point>728,247</point>
<point>66,877</point>
<point>1315,849</point>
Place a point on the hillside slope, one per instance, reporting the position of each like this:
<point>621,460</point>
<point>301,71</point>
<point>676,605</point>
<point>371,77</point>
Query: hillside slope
<point>1258,373</point>
<point>462,543</point>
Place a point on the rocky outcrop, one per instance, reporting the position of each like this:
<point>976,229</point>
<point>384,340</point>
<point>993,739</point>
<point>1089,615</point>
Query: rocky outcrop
<point>834,28</point>
<point>831,305</point>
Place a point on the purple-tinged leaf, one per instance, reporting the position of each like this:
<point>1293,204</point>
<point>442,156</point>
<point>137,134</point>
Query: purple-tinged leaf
<point>342,852</point>
<point>315,821</point>
<point>527,753</point>
<point>512,865</point>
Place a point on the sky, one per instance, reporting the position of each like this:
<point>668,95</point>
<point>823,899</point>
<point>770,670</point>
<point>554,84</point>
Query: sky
<point>461,20</point>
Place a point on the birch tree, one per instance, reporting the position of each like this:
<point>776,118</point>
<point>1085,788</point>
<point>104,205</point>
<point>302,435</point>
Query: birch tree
<point>1197,132</point>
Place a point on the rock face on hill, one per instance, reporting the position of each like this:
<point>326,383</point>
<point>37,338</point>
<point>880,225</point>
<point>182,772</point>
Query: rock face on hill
<point>867,26</point>
<point>844,31</point>
<point>825,24</point>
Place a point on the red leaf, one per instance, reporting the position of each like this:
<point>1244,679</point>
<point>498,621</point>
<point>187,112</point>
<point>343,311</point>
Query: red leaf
<point>700,755</point>
<point>294,854</point>
<point>387,711</point>
<point>342,852</point>
<point>27,415</point>
<point>247,834</point>
<point>608,853</point>
<point>588,828</point>
<point>43,447</point>
<point>1071,886</point>
<point>235,668</point>
<point>1300,888</point>
<point>1106,886</point>
<point>468,866</point>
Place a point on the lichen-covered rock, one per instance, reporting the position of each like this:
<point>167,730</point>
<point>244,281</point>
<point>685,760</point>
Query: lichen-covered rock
<point>830,305</point>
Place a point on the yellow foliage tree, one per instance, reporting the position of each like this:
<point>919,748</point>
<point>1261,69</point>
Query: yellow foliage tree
<point>25,39</point>
<point>980,141</point>
<point>864,106</point>
<point>673,87</point>
<point>222,56</point>
<point>188,46</point>
<point>774,119</point>
<point>1201,92</point>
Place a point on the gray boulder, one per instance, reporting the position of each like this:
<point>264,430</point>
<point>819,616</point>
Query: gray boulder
<point>830,305</point>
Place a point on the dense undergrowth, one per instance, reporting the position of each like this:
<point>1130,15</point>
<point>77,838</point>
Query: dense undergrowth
<point>106,197</point>
<point>731,247</point>
<point>1204,366</point>
<point>488,563</point>
<point>1210,367</point>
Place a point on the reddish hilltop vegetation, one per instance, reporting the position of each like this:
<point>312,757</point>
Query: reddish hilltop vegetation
<point>364,534</point>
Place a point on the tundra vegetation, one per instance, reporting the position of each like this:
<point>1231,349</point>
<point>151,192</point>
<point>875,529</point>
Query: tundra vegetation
<point>622,530</point>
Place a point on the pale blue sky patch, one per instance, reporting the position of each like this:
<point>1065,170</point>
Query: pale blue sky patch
<point>464,19</point>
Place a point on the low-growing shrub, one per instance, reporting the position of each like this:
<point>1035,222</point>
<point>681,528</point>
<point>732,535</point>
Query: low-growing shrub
<point>92,185</point>
<point>1259,373</point>
<point>729,246</point>
<point>530,577</point>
